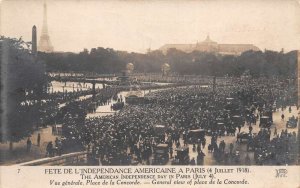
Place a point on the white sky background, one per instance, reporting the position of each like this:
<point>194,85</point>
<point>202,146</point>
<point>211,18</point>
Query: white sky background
<point>136,25</point>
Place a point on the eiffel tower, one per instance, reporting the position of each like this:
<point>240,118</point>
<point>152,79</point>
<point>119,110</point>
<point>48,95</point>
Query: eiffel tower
<point>44,43</point>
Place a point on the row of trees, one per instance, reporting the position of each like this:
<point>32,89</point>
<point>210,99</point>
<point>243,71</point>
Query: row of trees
<point>21,76</point>
<point>100,60</point>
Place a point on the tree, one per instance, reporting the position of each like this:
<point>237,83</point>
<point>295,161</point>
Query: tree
<point>21,77</point>
<point>103,61</point>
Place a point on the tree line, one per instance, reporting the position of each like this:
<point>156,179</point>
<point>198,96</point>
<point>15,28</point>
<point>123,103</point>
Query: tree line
<point>107,61</point>
<point>22,77</point>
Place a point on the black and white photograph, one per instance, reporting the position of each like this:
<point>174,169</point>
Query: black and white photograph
<point>149,83</point>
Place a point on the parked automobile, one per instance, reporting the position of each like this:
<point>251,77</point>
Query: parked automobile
<point>161,154</point>
<point>265,122</point>
<point>292,122</point>
<point>182,157</point>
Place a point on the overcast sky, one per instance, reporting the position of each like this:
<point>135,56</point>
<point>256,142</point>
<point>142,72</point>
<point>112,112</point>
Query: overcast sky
<point>136,25</point>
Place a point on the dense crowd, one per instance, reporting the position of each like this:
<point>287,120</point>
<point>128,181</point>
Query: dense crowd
<point>279,150</point>
<point>130,135</point>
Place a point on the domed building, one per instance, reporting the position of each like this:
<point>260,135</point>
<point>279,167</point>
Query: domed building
<point>211,46</point>
<point>207,45</point>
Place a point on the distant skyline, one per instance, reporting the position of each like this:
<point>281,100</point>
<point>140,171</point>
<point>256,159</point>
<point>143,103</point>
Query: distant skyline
<point>138,25</point>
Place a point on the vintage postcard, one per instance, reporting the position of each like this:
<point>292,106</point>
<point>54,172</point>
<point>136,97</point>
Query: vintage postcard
<point>115,93</point>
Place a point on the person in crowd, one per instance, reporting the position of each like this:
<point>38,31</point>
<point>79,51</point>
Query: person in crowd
<point>193,162</point>
<point>49,149</point>
<point>29,143</point>
<point>39,139</point>
<point>231,148</point>
<point>247,160</point>
<point>239,128</point>
<point>250,129</point>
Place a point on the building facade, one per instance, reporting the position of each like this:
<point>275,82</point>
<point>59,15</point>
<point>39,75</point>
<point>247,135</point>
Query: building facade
<point>209,45</point>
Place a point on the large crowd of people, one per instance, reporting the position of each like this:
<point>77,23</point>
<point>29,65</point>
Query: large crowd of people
<point>130,137</point>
